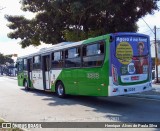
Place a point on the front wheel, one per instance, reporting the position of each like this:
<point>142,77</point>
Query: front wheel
<point>60,90</point>
<point>26,86</point>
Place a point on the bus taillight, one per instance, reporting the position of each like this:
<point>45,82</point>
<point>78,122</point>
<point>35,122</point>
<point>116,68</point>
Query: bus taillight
<point>114,75</point>
<point>115,90</point>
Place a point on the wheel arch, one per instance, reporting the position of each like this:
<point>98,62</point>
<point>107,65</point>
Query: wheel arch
<point>63,95</point>
<point>57,81</point>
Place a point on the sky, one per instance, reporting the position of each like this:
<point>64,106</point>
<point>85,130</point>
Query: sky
<point>11,46</point>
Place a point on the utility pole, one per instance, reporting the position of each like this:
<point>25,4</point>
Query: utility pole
<point>156,55</point>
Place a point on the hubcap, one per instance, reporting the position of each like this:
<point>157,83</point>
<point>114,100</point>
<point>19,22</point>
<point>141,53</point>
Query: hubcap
<point>25,84</point>
<point>60,90</point>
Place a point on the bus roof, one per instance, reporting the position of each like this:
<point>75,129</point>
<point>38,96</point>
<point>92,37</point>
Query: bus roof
<point>64,45</point>
<point>59,46</point>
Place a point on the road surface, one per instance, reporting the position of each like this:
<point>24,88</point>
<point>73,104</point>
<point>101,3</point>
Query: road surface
<point>18,105</point>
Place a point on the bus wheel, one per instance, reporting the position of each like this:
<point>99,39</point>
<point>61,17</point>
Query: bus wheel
<point>26,86</point>
<point>60,90</point>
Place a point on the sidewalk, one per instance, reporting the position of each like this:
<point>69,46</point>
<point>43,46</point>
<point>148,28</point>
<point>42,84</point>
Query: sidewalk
<point>11,77</point>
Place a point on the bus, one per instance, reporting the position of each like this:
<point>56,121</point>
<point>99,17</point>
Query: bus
<point>109,65</point>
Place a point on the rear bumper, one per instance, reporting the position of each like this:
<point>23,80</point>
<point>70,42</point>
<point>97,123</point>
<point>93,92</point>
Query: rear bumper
<point>114,90</point>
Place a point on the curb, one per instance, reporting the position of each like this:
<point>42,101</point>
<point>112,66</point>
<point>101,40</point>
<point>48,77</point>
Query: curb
<point>14,78</point>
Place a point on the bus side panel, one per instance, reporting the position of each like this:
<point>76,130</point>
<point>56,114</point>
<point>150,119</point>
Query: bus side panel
<point>20,78</point>
<point>54,76</point>
<point>37,79</point>
<point>105,71</point>
<point>84,81</point>
<point>90,82</point>
<point>70,80</point>
<point>68,77</point>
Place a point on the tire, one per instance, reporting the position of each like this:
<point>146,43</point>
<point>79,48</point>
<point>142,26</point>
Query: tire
<point>26,86</point>
<point>60,90</point>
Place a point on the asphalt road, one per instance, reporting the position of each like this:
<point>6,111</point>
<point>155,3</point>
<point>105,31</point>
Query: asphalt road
<point>18,105</point>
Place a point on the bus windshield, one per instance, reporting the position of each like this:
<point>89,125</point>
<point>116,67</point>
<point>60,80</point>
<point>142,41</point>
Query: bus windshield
<point>132,58</point>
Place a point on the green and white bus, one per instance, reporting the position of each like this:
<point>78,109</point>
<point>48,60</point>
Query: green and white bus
<point>108,65</point>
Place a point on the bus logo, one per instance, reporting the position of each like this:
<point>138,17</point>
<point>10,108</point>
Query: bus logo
<point>135,78</point>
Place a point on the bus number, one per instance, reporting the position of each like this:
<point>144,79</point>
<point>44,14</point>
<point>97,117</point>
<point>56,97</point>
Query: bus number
<point>131,89</point>
<point>93,75</point>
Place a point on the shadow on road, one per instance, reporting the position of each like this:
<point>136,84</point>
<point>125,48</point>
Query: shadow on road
<point>119,106</point>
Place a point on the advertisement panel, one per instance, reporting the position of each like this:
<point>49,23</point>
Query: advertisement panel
<point>132,58</point>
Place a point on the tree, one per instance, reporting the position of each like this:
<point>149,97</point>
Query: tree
<point>73,20</point>
<point>5,59</point>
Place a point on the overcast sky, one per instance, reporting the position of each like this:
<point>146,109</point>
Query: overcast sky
<point>12,7</point>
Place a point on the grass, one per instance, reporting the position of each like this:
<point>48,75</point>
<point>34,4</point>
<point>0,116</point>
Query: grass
<point>1,120</point>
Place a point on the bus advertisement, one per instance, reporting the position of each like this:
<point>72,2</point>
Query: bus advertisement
<point>109,65</point>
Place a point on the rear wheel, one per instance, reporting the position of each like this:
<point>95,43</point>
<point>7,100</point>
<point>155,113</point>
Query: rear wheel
<point>60,90</point>
<point>26,85</point>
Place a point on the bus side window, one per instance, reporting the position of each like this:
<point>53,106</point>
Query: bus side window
<point>36,62</point>
<point>93,54</point>
<point>84,51</point>
<point>72,57</point>
<point>57,59</point>
<point>20,65</point>
<point>31,65</point>
<point>101,47</point>
<point>25,64</point>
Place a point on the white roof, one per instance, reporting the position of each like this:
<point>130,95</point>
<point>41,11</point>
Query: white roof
<point>59,46</point>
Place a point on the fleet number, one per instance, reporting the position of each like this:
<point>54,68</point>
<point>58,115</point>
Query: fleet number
<point>93,75</point>
<point>131,89</point>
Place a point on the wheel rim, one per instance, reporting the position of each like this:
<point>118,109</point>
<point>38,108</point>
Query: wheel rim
<point>26,85</point>
<point>60,90</point>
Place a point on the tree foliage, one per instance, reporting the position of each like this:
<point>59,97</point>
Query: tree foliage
<point>73,20</point>
<point>5,59</point>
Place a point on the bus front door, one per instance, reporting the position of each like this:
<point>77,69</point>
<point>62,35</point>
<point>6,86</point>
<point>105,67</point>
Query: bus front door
<point>46,72</point>
<point>29,69</point>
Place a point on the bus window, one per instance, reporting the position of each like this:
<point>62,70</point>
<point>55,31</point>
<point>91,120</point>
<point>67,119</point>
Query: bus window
<point>72,57</point>
<point>57,59</point>
<point>20,65</point>
<point>93,54</point>
<point>36,62</point>
<point>25,64</point>
<point>31,65</point>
